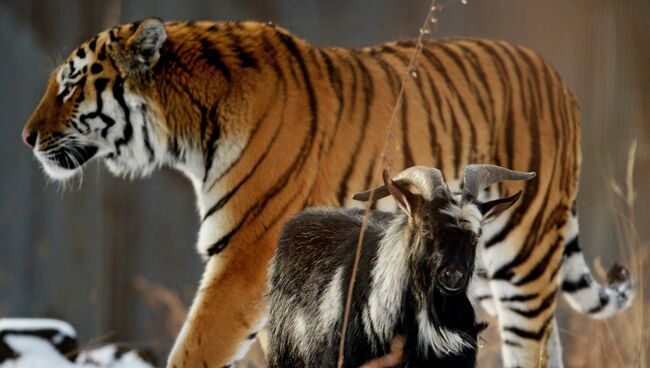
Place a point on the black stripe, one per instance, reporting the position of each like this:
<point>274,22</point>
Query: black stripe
<point>434,143</point>
<point>170,60</point>
<point>502,73</point>
<point>283,213</point>
<point>506,50</point>
<point>603,300</point>
<point>341,193</point>
<point>145,133</point>
<point>477,66</point>
<point>530,335</point>
<point>368,97</point>
<point>519,298</point>
<point>511,343</point>
<point>456,137</point>
<point>337,86</point>
<point>96,68</point>
<point>92,44</point>
<point>541,266</point>
<point>574,209</point>
<point>435,62</point>
<point>209,141</point>
<point>370,170</point>
<point>471,122</point>
<point>406,147</point>
<point>246,59</point>
<point>217,248</point>
<point>113,34</point>
<point>583,282</point>
<point>101,55</point>
<point>545,304</point>
<point>212,56</point>
<point>572,248</point>
<point>553,274</point>
<point>118,94</point>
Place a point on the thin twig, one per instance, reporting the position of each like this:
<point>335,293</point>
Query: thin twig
<point>386,160</point>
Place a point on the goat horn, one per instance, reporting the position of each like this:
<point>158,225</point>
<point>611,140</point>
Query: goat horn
<point>479,177</point>
<point>425,179</point>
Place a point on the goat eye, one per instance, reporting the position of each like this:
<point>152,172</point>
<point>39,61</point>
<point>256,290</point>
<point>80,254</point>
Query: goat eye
<point>480,233</point>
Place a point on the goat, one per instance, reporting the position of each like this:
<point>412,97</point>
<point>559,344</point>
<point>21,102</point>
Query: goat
<point>414,270</point>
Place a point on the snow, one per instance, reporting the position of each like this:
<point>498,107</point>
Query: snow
<point>24,348</point>
<point>27,324</point>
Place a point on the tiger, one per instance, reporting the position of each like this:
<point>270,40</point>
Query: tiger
<point>264,124</point>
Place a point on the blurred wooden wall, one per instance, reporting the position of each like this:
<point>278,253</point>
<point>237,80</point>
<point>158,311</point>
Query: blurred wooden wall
<point>76,253</point>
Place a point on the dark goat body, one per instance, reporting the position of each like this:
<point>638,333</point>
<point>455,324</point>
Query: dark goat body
<point>394,287</point>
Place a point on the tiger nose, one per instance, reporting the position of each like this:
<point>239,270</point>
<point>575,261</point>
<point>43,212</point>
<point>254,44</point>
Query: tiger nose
<point>29,137</point>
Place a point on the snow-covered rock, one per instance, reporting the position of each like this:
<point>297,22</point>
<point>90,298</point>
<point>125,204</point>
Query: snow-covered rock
<point>50,343</point>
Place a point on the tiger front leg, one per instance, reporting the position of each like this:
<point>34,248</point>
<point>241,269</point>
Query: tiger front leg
<point>228,309</point>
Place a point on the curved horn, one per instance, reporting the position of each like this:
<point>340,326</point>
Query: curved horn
<point>479,177</point>
<point>425,179</point>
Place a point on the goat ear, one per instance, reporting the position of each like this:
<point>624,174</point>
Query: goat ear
<point>142,49</point>
<point>406,200</point>
<point>492,209</point>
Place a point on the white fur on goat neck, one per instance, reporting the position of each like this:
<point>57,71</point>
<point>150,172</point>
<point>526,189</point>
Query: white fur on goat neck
<point>389,279</point>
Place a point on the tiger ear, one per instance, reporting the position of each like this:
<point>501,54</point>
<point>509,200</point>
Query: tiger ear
<point>143,47</point>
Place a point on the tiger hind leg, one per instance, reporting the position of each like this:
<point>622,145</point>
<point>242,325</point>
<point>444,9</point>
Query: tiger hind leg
<point>582,292</point>
<point>524,285</point>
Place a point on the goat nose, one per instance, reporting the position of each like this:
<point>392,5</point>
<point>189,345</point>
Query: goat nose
<point>30,138</point>
<point>452,278</point>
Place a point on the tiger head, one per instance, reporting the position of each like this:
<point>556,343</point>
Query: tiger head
<point>95,105</point>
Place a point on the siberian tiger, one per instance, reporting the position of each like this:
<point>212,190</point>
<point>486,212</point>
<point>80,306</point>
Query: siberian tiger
<point>264,125</point>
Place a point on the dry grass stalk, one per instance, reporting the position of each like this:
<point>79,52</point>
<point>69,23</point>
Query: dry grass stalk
<point>386,161</point>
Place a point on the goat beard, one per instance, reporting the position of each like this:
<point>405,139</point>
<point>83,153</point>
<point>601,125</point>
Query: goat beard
<point>451,311</point>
